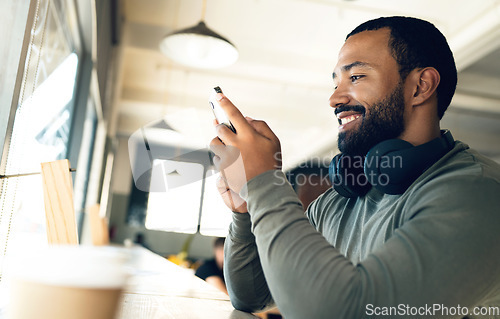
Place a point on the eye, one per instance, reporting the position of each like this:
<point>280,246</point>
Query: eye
<point>354,78</point>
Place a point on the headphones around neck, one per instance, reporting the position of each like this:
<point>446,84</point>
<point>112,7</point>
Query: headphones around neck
<point>390,166</point>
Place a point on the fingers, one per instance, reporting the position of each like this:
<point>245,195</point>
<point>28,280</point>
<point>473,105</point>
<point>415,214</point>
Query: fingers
<point>230,198</point>
<point>225,155</point>
<point>225,134</point>
<point>216,146</point>
<point>221,184</point>
<point>239,122</point>
<point>263,129</point>
<point>237,203</point>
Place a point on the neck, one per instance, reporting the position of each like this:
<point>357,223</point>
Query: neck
<point>423,132</point>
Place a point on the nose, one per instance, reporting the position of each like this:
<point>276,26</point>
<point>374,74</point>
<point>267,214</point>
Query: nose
<point>339,97</point>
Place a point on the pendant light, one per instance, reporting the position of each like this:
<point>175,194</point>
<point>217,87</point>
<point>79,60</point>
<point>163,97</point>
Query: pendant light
<point>199,46</point>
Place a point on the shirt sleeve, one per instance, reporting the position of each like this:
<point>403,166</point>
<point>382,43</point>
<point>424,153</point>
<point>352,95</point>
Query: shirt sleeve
<point>245,281</point>
<point>446,254</point>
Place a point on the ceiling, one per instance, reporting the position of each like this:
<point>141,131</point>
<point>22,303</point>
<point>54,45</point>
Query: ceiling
<point>288,49</point>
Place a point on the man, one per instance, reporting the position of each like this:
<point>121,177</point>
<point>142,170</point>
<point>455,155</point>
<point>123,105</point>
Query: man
<point>429,248</point>
<point>211,270</point>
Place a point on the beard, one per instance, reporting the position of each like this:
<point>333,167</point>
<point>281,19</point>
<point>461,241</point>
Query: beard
<point>384,121</point>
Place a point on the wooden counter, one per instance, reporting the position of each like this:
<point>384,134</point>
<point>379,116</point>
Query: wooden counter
<point>161,289</point>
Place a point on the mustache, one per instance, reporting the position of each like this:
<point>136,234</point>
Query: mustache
<point>346,108</point>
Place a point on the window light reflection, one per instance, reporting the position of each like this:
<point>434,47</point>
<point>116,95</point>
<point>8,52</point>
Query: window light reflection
<point>177,209</point>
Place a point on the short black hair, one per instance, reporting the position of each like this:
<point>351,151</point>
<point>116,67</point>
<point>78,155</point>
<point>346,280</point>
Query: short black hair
<point>416,43</point>
<point>219,242</point>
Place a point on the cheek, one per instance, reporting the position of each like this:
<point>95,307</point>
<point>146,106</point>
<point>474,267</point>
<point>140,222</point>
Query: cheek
<point>370,94</point>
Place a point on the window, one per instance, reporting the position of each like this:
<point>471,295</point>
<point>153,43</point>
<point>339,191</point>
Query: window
<point>40,131</point>
<point>40,134</point>
<point>175,206</point>
<point>81,183</point>
<point>215,215</point>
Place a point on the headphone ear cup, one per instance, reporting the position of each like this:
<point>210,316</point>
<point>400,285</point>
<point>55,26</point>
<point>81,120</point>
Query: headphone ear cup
<point>347,176</point>
<point>393,165</point>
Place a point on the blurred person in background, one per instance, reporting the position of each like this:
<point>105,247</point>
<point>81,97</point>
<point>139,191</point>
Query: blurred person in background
<point>211,269</point>
<point>309,180</point>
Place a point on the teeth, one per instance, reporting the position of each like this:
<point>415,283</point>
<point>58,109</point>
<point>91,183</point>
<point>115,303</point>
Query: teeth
<point>348,119</point>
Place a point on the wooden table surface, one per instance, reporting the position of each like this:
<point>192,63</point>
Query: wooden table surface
<point>161,289</point>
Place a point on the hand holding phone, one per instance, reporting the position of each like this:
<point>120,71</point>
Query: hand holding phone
<point>219,113</point>
<point>253,150</point>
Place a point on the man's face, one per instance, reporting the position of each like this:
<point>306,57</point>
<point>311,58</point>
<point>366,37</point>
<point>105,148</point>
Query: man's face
<point>369,99</point>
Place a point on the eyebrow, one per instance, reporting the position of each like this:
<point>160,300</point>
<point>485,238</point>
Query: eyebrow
<point>348,67</point>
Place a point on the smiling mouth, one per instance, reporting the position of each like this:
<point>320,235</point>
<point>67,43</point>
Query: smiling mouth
<point>348,113</point>
<point>348,119</point>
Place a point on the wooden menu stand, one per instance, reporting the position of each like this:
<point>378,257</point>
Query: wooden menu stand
<point>58,199</point>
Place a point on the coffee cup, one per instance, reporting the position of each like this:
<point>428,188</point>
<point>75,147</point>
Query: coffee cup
<point>64,282</point>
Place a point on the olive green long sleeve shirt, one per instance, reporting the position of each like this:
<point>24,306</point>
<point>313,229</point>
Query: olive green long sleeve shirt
<point>436,244</point>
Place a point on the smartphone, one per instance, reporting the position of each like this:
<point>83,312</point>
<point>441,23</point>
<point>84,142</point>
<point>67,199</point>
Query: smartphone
<point>219,113</point>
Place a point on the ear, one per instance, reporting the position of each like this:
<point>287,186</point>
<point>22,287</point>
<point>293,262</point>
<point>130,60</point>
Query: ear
<point>425,82</point>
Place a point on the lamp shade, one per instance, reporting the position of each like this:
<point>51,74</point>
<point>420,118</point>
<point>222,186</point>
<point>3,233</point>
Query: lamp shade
<point>199,47</point>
